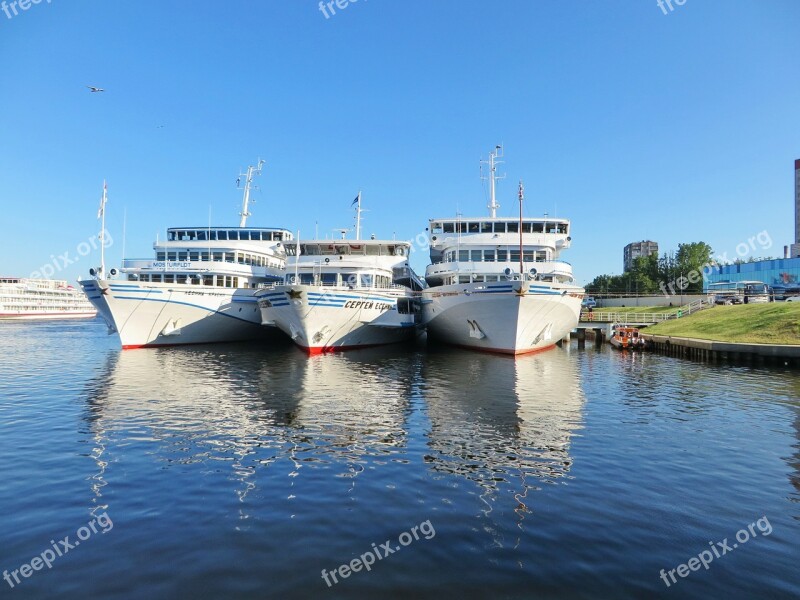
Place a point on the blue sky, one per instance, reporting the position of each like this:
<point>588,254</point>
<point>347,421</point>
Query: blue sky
<point>633,123</point>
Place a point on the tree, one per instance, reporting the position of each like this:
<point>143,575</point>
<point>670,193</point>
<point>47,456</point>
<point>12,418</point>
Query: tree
<point>682,271</point>
<point>690,261</point>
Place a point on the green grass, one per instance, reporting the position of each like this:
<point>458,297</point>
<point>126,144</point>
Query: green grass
<point>774,323</point>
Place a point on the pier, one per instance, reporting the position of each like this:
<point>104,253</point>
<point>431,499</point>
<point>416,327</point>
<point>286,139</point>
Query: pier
<point>713,351</point>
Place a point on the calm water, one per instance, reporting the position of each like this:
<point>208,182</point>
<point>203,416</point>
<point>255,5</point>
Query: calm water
<point>240,472</point>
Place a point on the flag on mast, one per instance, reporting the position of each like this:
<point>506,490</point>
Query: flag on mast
<point>102,209</point>
<point>356,200</point>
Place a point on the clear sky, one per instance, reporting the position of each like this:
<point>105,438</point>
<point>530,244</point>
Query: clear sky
<point>633,123</point>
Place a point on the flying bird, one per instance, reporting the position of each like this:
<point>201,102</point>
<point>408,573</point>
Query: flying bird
<point>95,89</point>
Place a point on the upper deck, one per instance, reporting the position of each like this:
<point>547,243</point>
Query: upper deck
<point>228,234</point>
<point>547,234</point>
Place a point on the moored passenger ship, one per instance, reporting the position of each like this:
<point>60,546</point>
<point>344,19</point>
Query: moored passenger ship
<point>198,289</point>
<point>31,299</point>
<point>344,294</point>
<point>497,284</point>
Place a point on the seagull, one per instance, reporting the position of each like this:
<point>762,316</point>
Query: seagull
<point>95,89</point>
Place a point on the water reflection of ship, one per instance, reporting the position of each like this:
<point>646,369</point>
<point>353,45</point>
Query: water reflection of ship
<point>236,406</point>
<point>504,424</point>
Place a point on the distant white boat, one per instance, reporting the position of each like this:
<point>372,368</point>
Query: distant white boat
<point>29,299</point>
<point>497,284</point>
<point>199,288</point>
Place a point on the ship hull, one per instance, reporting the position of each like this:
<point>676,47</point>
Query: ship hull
<point>503,317</point>
<point>151,315</point>
<point>321,320</point>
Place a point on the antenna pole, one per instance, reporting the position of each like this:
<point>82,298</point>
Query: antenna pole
<point>103,230</point>
<point>248,185</point>
<point>493,177</point>
<point>358,217</point>
<point>521,198</point>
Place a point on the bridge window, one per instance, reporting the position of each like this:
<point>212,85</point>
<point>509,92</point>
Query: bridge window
<point>156,279</point>
<point>463,255</point>
<point>328,279</point>
<point>201,236</point>
<point>513,256</point>
<point>488,256</point>
<point>172,256</point>
<point>350,279</point>
<point>473,227</point>
<point>221,235</point>
<point>449,227</point>
<point>161,256</point>
<point>475,255</point>
<point>436,228</point>
<point>307,278</point>
<point>512,227</point>
<point>499,227</point>
<point>562,228</point>
<point>366,280</point>
<point>538,227</point>
<point>528,255</point>
<point>233,235</point>
<point>194,256</point>
<point>526,228</point>
<point>486,227</point>
<point>502,255</point>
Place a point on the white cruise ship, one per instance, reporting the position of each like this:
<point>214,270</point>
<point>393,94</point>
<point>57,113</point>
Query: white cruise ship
<point>497,284</point>
<point>42,299</point>
<point>198,289</point>
<point>343,294</point>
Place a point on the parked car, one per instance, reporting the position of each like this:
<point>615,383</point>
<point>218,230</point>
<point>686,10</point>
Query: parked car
<point>588,302</point>
<point>793,299</point>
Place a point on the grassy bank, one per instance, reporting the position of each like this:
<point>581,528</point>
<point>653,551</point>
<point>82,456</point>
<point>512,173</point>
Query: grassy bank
<point>774,323</point>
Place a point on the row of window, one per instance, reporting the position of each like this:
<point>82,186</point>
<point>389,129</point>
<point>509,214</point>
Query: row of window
<point>499,227</point>
<point>486,278</point>
<point>211,280</point>
<point>350,248</point>
<point>496,255</point>
<point>205,235</point>
<point>349,280</point>
<point>242,258</point>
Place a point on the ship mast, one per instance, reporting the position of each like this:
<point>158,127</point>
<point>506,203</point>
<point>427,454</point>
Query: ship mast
<point>521,198</point>
<point>493,177</point>
<point>248,185</point>
<point>358,216</point>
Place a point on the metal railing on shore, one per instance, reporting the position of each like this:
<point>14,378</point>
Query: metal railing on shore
<point>641,318</point>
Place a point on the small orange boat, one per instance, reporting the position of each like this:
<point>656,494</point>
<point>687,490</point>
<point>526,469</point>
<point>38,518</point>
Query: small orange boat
<point>627,338</point>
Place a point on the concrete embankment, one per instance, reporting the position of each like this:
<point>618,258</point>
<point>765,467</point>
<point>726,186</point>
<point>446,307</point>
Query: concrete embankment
<point>714,351</point>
